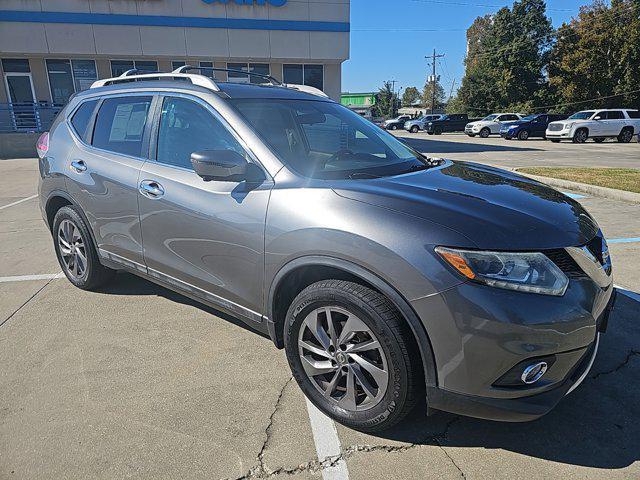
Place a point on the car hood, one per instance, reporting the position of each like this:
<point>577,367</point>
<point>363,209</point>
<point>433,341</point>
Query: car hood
<point>493,208</point>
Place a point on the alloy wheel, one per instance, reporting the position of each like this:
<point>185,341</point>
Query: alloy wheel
<point>626,136</point>
<point>72,248</point>
<point>343,358</point>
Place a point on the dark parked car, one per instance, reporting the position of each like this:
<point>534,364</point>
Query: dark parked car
<point>396,123</point>
<point>530,126</point>
<point>449,123</point>
<point>389,277</point>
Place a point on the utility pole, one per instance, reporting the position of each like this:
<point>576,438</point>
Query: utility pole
<point>433,78</point>
<point>393,97</point>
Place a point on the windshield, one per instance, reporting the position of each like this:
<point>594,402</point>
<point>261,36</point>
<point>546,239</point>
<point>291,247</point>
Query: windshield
<point>530,118</point>
<point>581,115</point>
<point>325,140</point>
<point>488,118</point>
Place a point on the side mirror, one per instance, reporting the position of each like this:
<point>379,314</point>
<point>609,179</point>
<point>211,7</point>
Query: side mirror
<point>220,165</point>
<point>597,117</point>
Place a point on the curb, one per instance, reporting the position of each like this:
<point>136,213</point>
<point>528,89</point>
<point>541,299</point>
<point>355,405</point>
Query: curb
<point>605,192</point>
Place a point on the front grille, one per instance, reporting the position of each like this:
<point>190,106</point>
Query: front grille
<point>564,262</point>
<point>555,127</point>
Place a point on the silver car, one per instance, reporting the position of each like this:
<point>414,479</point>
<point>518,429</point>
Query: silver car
<point>390,278</point>
<point>414,126</point>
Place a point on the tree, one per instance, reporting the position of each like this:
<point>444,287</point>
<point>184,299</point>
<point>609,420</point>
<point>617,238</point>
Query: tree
<point>507,57</point>
<point>455,105</point>
<point>427,95</point>
<point>410,96</point>
<point>597,54</point>
<point>387,101</point>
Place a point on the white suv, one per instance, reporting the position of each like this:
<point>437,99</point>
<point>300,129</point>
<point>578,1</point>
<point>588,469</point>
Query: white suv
<point>490,124</point>
<point>622,124</point>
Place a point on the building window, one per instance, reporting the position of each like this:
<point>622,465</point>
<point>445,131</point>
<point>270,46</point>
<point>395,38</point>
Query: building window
<point>60,80</point>
<point>84,74</point>
<point>118,67</point>
<point>207,72</point>
<point>17,76</point>
<point>15,65</point>
<point>69,76</point>
<point>259,68</point>
<point>310,75</point>
<point>177,64</point>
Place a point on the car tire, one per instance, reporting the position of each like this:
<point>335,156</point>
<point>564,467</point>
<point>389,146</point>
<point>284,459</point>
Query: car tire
<point>485,132</point>
<point>437,131</point>
<point>523,135</point>
<point>393,127</point>
<point>626,135</point>
<point>581,135</point>
<point>599,139</point>
<point>430,133</point>
<point>75,251</point>
<point>415,129</point>
<point>386,379</point>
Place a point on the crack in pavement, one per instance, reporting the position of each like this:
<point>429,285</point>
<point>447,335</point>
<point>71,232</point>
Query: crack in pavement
<point>627,359</point>
<point>25,303</point>
<point>316,466</point>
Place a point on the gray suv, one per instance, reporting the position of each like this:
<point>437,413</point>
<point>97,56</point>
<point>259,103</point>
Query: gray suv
<point>391,279</point>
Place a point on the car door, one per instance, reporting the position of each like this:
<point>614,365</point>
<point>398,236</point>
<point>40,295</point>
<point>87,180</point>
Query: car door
<point>103,167</point>
<point>614,123</point>
<point>204,237</point>
<point>539,126</point>
<point>598,125</point>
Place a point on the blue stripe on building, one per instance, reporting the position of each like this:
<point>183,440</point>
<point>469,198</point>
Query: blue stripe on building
<point>168,21</point>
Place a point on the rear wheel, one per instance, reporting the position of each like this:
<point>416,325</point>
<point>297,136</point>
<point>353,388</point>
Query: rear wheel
<point>437,131</point>
<point>626,135</point>
<point>393,127</point>
<point>414,129</point>
<point>485,132</point>
<point>352,354</point>
<point>75,251</point>
<point>581,135</point>
<point>523,135</point>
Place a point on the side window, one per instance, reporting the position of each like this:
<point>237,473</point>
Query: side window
<point>120,124</point>
<point>82,117</point>
<point>601,116</point>
<point>633,113</point>
<point>616,115</point>
<point>187,127</point>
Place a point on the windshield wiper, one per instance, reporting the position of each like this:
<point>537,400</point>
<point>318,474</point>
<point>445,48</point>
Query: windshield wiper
<point>360,175</point>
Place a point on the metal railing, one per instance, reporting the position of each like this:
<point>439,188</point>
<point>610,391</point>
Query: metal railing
<point>27,117</point>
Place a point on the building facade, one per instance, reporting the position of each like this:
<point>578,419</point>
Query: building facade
<point>50,49</point>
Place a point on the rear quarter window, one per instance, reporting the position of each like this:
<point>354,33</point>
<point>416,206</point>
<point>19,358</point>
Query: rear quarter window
<point>82,116</point>
<point>634,114</point>
<point>120,125</point>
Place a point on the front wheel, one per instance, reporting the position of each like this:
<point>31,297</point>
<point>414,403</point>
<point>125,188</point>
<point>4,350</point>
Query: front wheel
<point>75,251</point>
<point>352,354</point>
<point>414,129</point>
<point>485,132</point>
<point>393,127</point>
<point>580,136</point>
<point>523,135</point>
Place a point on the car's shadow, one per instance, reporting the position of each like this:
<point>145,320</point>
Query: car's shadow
<point>129,284</point>
<point>598,425</point>
<point>472,145</point>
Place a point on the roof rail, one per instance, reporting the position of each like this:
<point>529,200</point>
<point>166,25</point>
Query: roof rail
<point>306,89</point>
<point>186,68</point>
<point>131,75</point>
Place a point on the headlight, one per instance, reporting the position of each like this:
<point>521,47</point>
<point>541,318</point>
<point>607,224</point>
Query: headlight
<point>524,272</point>
<point>567,126</point>
<point>513,127</point>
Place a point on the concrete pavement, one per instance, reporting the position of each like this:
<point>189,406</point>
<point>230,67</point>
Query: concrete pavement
<point>137,381</point>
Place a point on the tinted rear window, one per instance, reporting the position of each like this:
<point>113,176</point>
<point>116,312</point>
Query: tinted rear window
<point>82,117</point>
<point>120,124</point>
<point>635,114</point>
<point>616,115</point>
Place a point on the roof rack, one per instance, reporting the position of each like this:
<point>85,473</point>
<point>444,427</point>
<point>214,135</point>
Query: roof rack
<point>199,79</point>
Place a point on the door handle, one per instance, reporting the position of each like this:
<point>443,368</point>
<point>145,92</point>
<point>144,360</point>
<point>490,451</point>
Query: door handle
<point>151,189</point>
<point>78,166</point>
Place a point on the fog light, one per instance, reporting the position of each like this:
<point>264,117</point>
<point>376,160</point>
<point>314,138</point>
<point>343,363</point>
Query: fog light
<point>534,372</point>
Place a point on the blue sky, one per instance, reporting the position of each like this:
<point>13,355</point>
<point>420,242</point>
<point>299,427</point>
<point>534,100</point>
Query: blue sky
<point>389,38</point>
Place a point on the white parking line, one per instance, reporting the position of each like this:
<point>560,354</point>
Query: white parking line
<point>325,436</point>
<point>19,201</point>
<point>29,278</point>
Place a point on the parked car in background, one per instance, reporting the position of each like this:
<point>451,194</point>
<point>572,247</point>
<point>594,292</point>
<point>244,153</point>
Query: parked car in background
<point>448,123</point>
<point>396,123</point>
<point>530,126</point>
<point>491,124</point>
<point>414,126</point>
<point>619,123</point>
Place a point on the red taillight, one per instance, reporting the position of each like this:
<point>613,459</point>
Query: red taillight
<point>43,144</point>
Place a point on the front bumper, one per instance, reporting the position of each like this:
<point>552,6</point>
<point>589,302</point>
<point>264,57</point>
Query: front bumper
<point>479,333</point>
<point>558,135</point>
